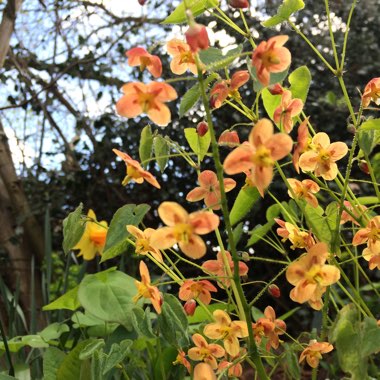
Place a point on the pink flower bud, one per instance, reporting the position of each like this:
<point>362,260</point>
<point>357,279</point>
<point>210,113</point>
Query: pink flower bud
<point>239,3</point>
<point>142,2</point>
<point>197,37</point>
<point>363,166</point>
<point>276,89</point>
<point>202,128</point>
<point>229,138</point>
<point>351,128</point>
<point>189,307</point>
<point>274,290</point>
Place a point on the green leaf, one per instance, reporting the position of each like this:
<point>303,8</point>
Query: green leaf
<point>142,323</point>
<point>73,228</point>
<point>201,315</point>
<point>117,232</point>
<point>197,7</point>
<point>34,341</point>
<point>370,125</point>
<point>331,212</point>
<point>299,81</point>
<point>117,354</point>
<point>146,144</point>
<point>198,144</point>
<point>161,151</point>
<point>215,60</point>
<point>290,362</point>
<point>271,102</point>
<point>52,359</point>
<point>70,368</point>
<point>91,347</point>
<point>189,99</point>
<point>108,296</point>
<point>192,95</point>
<point>318,224</point>
<point>97,365</point>
<point>173,322</point>
<point>81,320</point>
<point>256,313</point>
<point>68,301</point>
<point>368,139</point>
<point>286,9</point>
<point>244,202</point>
<point>54,331</point>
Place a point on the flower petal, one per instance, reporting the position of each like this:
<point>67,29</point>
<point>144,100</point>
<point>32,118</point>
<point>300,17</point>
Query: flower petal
<point>172,213</point>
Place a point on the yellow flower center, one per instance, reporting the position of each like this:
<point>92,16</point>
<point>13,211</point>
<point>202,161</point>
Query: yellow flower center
<point>182,232</point>
<point>298,239</point>
<point>204,352</point>
<point>144,62</point>
<point>324,156</point>
<point>262,157</point>
<point>374,233</point>
<point>187,57</point>
<point>268,59</point>
<point>132,172</point>
<point>146,101</point>
<point>196,289</point>
<point>143,291</point>
<point>142,245</point>
<point>313,274</point>
<point>99,237</point>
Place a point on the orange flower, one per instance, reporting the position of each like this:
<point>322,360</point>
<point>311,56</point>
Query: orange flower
<point>196,289</point>
<point>203,371</point>
<point>270,57</point>
<point>148,98</point>
<point>270,327</point>
<point>346,217</point>
<point>138,56</point>
<point>372,255</point>
<point>310,276</point>
<point>287,109</point>
<point>233,370</point>
<point>184,229</point>
<point>142,244</point>
<point>304,190</point>
<point>313,352</point>
<point>228,88</point>
<point>226,330</point>
<point>181,359</point>
<point>94,237</point>
<point>218,268</point>
<point>259,154</point>
<point>321,159</point>
<point>370,235</point>
<point>146,290</point>
<point>302,144</point>
<point>209,189</point>
<point>299,239</point>
<point>205,352</point>
<point>135,172</point>
<point>183,57</point>
<point>371,92</point>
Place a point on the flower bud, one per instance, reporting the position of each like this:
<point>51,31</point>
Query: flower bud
<point>351,128</point>
<point>245,256</point>
<point>142,2</point>
<point>238,3</point>
<point>363,166</point>
<point>276,89</point>
<point>229,138</point>
<point>189,307</point>
<point>197,37</point>
<point>274,290</point>
<point>202,128</point>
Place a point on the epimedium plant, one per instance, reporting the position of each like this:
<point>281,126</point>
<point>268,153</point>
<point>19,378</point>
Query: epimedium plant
<point>112,332</point>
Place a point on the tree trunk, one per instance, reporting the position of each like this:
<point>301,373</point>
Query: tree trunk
<point>23,240</point>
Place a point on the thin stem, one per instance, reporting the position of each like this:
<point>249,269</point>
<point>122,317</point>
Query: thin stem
<point>315,50</point>
<point>253,351</point>
<point>343,56</point>
<point>333,45</point>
